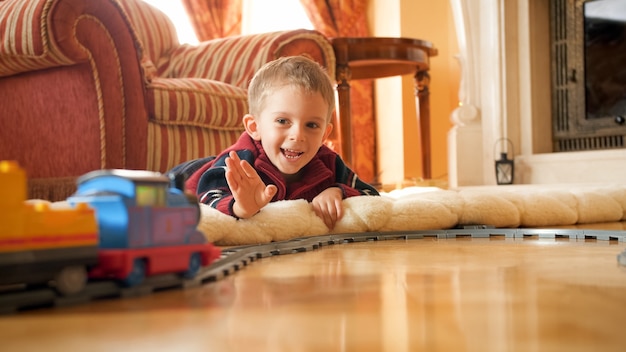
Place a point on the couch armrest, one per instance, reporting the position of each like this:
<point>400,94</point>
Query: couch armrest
<point>40,34</point>
<point>26,43</point>
<point>234,60</point>
<point>74,72</point>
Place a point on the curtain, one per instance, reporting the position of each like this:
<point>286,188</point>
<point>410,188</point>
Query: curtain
<point>348,18</point>
<point>333,18</point>
<point>213,19</point>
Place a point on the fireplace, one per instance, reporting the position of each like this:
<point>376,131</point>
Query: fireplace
<point>506,73</point>
<point>588,51</point>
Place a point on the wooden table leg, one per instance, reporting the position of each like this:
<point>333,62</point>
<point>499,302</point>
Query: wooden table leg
<point>422,81</point>
<point>344,114</point>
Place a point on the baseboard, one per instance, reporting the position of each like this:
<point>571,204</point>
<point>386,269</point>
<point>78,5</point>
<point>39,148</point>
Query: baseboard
<point>606,166</point>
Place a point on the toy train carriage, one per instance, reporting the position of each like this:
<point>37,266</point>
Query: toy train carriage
<point>146,227</point>
<point>39,243</point>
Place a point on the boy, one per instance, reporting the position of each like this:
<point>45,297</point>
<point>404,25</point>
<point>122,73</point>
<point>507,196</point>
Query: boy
<point>281,154</point>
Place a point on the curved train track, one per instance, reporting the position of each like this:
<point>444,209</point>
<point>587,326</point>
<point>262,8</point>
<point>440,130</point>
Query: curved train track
<point>14,299</point>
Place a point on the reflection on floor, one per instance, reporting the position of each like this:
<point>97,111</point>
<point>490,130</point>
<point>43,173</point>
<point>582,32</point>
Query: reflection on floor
<point>499,294</point>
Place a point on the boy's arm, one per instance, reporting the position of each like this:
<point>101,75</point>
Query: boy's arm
<point>349,183</point>
<point>212,188</point>
<point>328,204</point>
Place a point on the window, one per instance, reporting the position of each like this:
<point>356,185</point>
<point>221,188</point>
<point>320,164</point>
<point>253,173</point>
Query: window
<point>150,195</point>
<point>178,16</point>
<point>258,17</point>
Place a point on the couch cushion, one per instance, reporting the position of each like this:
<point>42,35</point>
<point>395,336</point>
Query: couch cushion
<point>236,59</point>
<point>197,102</point>
<point>171,145</point>
<point>154,30</point>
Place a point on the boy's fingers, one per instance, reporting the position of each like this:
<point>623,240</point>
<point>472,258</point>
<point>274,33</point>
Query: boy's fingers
<point>328,215</point>
<point>232,164</point>
<point>248,169</point>
<point>233,184</point>
<point>234,172</point>
<point>330,222</point>
<point>233,155</point>
<point>270,191</point>
<point>339,209</point>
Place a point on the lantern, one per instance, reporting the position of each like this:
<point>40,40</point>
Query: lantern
<point>504,166</point>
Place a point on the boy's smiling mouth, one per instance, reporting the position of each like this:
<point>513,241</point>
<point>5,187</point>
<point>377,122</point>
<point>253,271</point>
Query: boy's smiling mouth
<point>290,153</point>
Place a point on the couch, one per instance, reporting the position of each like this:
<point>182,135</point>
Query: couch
<point>88,85</point>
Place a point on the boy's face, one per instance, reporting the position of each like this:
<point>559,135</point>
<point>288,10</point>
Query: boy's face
<point>291,127</point>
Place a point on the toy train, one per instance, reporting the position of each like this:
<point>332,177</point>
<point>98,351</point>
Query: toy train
<point>120,225</point>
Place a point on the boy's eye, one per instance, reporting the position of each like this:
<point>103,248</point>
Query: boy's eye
<point>312,125</point>
<point>281,121</point>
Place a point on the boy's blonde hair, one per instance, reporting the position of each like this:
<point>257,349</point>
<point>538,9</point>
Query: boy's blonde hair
<point>298,71</point>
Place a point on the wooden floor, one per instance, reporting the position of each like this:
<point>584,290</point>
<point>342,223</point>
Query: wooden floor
<point>414,295</point>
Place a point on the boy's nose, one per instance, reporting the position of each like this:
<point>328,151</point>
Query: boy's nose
<point>297,133</point>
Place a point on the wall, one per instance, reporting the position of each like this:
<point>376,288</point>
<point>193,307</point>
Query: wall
<point>505,92</point>
<point>399,152</point>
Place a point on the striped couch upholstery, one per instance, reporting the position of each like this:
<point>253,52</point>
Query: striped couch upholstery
<point>93,84</point>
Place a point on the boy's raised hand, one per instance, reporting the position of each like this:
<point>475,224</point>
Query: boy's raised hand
<point>328,206</point>
<point>250,192</point>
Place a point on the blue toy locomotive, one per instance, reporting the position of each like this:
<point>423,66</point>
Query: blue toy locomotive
<point>145,226</point>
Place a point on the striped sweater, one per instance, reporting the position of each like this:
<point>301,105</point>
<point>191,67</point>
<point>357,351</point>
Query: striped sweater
<point>325,170</point>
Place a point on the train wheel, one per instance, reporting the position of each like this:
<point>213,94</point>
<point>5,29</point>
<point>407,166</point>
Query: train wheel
<point>71,280</point>
<point>137,273</point>
<point>195,262</point>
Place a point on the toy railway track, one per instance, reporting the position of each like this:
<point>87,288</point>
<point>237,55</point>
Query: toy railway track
<point>234,258</point>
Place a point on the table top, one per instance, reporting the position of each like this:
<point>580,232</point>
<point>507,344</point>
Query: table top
<point>377,57</point>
